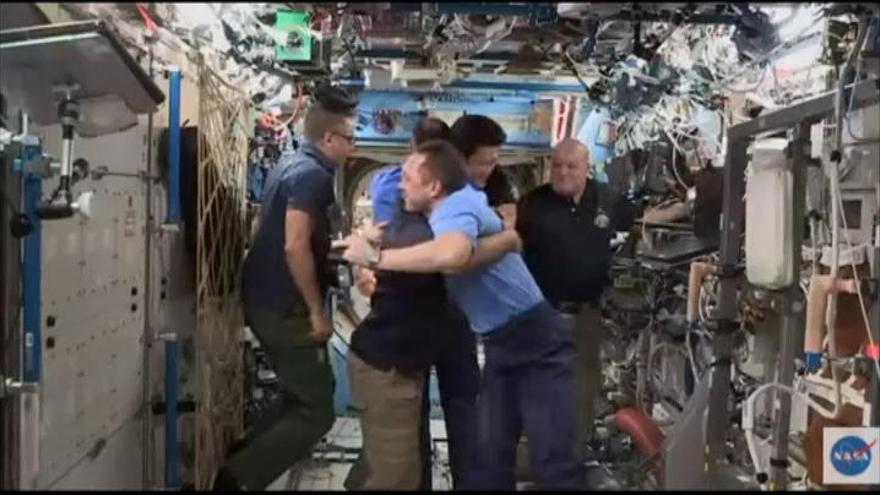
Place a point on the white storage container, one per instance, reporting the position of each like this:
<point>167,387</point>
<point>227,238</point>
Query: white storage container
<point>769,219</point>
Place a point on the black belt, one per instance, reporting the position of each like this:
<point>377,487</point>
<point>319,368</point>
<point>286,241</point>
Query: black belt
<point>386,367</point>
<point>573,307</point>
<point>382,366</point>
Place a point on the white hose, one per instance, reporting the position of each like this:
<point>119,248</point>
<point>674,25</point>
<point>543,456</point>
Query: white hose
<point>748,416</point>
<point>753,453</point>
<point>836,201</point>
<point>690,353</point>
<point>653,352</point>
<point>650,365</point>
<point>831,313</point>
<point>858,282</point>
<point>814,226</point>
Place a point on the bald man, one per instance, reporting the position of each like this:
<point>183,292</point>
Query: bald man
<point>566,227</point>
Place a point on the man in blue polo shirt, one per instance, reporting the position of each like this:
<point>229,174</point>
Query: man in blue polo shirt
<point>286,278</point>
<point>527,377</point>
<point>411,325</point>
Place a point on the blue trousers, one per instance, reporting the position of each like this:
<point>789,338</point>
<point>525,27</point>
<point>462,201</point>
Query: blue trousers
<point>458,379</point>
<point>527,384</point>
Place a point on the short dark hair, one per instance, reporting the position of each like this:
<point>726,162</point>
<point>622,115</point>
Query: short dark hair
<point>335,99</point>
<point>444,163</point>
<point>430,128</point>
<point>471,132</point>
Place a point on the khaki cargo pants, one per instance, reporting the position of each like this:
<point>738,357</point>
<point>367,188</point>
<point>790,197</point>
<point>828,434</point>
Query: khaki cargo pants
<point>390,405</point>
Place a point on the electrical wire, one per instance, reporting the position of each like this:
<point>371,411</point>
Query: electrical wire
<point>675,171</point>
<point>574,71</point>
<point>293,117</point>
<point>675,150</point>
<point>836,215</point>
<point>748,415</point>
<point>858,284</point>
<point>848,118</point>
<point>148,20</point>
<point>690,354</point>
<point>819,17</point>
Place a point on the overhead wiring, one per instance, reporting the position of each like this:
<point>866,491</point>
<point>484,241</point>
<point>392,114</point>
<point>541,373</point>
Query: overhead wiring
<point>819,18</point>
<point>858,284</point>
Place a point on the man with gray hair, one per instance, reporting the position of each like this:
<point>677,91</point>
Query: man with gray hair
<point>570,223</point>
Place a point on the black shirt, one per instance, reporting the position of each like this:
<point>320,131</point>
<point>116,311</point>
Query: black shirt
<point>499,189</point>
<point>411,322</point>
<point>566,245</point>
<point>304,182</point>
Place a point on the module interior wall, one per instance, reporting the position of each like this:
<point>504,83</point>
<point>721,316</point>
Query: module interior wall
<point>93,286</point>
<point>173,293</point>
<point>92,313</point>
<point>174,304</point>
<point>90,430</point>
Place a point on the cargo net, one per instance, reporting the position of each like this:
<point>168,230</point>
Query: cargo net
<point>222,233</point>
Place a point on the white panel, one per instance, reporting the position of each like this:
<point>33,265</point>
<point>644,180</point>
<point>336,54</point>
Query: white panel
<point>50,245</point>
<point>93,351</point>
<point>92,356</point>
<point>116,466</point>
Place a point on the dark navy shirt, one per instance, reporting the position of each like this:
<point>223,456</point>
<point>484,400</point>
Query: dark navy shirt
<point>411,323</point>
<point>304,182</point>
<point>499,188</point>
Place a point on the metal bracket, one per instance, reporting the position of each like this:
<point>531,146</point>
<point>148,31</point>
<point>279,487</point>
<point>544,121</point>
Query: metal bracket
<point>102,171</point>
<point>29,157</point>
<point>183,406</point>
<point>10,387</point>
<point>65,89</point>
<point>728,271</point>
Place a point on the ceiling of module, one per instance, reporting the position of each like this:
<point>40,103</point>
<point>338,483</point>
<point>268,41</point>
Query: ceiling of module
<point>655,68</point>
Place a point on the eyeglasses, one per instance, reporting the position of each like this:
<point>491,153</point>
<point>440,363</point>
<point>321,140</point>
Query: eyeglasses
<point>347,137</point>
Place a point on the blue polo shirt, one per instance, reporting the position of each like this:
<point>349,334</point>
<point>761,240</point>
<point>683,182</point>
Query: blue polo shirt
<point>385,191</point>
<point>490,296</point>
<point>304,182</point>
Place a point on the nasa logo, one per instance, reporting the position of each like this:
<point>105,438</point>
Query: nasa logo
<point>602,220</point>
<point>851,456</point>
